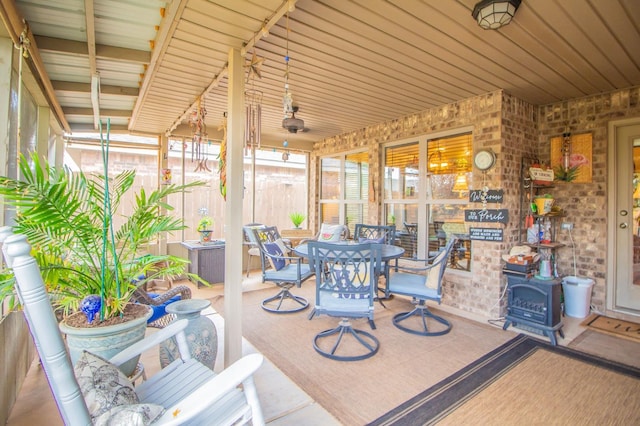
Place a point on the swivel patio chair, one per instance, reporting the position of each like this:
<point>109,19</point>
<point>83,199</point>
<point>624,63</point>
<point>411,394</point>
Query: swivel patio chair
<point>412,231</point>
<point>345,288</point>
<point>254,250</point>
<point>381,234</point>
<point>183,392</point>
<point>280,268</point>
<point>422,284</point>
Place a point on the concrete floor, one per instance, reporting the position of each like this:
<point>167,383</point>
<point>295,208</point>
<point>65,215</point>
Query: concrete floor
<point>283,402</point>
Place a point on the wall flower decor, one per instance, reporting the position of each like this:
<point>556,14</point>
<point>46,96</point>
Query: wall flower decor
<point>572,157</point>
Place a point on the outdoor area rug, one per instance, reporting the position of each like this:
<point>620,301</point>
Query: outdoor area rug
<point>528,381</point>
<point>356,393</point>
<point>620,328</point>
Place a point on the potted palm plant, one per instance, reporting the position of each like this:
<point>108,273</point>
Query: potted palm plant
<point>91,269</point>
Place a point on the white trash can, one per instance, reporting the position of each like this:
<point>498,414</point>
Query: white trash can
<point>577,296</point>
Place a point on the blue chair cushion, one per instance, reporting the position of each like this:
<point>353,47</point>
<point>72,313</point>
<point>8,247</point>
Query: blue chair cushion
<point>160,310</point>
<point>412,285</point>
<point>274,250</point>
<point>289,273</point>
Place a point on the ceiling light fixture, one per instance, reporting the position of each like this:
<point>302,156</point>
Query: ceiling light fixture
<point>293,124</point>
<point>493,14</point>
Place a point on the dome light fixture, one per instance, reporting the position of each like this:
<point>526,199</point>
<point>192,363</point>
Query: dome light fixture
<point>493,14</point>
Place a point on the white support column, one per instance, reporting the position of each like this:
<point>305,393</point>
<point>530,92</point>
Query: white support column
<point>6,52</point>
<point>233,210</point>
<point>56,150</point>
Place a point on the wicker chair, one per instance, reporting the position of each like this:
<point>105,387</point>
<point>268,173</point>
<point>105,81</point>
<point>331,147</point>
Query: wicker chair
<point>159,302</point>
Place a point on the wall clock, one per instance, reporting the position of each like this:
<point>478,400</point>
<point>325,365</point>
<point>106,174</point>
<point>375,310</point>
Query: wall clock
<point>484,159</point>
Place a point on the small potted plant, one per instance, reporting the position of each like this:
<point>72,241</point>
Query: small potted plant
<point>297,219</point>
<point>205,228</point>
<point>544,204</point>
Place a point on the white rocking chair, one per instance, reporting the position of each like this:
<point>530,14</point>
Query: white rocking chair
<point>190,392</point>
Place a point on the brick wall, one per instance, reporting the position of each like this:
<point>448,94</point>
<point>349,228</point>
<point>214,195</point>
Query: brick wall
<point>476,292</point>
<point>512,128</point>
<point>585,204</point>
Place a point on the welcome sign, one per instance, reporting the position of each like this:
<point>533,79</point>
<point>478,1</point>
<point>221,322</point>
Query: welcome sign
<point>489,215</point>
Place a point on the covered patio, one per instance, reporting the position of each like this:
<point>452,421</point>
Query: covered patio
<point>382,85</point>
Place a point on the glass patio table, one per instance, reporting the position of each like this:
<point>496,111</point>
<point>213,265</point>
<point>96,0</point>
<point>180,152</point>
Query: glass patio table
<point>388,252</point>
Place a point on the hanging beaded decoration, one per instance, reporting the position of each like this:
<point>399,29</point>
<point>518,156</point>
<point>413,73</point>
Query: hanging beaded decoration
<point>484,193</point>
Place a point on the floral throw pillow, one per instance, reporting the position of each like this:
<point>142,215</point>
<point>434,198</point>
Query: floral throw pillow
<point>130,415</point>
<point>109,395</point>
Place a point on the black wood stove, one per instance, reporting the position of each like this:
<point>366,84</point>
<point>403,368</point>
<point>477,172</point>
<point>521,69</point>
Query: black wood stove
<point>534,304</point>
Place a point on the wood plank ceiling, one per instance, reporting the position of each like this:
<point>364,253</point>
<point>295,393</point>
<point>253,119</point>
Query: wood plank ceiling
<point>353,63</point>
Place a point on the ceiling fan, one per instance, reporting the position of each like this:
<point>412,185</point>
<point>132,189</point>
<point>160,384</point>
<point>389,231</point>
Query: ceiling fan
<point>293,124</point>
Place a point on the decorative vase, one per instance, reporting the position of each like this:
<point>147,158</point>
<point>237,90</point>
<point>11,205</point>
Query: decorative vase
<point>205,236</point>
<point>106,341</point>
<point>201,333</point>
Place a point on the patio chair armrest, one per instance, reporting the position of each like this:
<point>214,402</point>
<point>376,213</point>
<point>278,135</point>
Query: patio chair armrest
<point>419,269</point>
<point>240,372</point>
<point>151,341</point>
<point>291,259</point>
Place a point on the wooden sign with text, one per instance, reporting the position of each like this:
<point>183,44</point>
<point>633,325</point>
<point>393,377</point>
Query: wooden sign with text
<point>489,215</point>
<point>486,234</point>
<point>493,196</point>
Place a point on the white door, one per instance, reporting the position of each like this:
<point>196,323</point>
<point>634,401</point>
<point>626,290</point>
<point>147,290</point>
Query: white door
<point>624,290</point>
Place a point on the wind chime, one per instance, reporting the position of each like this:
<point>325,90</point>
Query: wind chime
<point>199,140</point>
<point>253,104</point>
<point>253,117</point>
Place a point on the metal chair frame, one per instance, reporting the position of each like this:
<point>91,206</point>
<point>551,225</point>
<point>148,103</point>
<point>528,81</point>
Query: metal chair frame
<point>293,274</point>
<point>412,282</point>
<point>346,281</point>
<point>376,232</point>
<point>254,250</point>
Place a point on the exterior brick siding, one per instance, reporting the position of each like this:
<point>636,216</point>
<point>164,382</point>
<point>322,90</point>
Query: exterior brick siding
<point>512,128</point>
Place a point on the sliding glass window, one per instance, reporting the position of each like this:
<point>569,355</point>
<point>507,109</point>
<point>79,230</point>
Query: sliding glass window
<point>344,189</point>
<point>426,181</point>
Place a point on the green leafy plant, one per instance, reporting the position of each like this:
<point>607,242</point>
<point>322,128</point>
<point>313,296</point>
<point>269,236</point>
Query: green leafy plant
<point>566,175</point>
<point>63,215</point>
<point>205,223</point>
<point>297,218</point>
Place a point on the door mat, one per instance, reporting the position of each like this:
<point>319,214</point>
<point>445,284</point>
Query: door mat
<point>616,327</point>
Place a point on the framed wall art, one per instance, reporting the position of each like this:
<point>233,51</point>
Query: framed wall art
<point>572,157</point>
